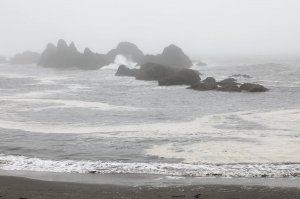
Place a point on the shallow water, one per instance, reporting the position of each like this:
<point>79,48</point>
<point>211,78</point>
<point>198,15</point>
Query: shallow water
<point>92,121</point>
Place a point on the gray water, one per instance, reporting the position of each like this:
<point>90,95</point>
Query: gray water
<point>92,121</point>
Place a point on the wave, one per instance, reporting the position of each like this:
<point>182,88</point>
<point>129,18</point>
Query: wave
<point>22,163</point>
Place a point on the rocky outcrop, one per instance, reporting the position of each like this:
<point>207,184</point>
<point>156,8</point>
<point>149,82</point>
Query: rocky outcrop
<point>3,60</point>
<point>64,57</point>
<point>208,84</point>
<point>228,81</point>
<point>253,87</point>
<point>125,71</point>
<point>228,85</point>
<point>182,77</point>
<point>172,56</point>
<point>26,57</point>
<point>154,72</point>
<point>127,49</point>
<point>165,75</point>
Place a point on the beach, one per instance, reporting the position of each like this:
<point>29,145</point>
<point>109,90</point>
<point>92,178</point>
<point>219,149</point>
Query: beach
<point>17,188</point>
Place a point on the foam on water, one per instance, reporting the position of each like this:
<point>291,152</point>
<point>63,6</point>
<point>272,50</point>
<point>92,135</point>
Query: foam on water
<point>72,104</point>
<point>22,163</point>
<point>219,139</point>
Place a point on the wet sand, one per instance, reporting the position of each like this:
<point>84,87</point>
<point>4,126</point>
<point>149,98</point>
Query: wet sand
<point>23,188</point>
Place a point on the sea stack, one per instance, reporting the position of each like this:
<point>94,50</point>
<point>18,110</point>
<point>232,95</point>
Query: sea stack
<point>172,56</point>
<point>64,57</point>
<point>128,50</point>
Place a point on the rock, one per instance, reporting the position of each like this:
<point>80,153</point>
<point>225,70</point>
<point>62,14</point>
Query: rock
<point>64,56</point>
<point>125,71</point>
<point>27,57</point>
<point>199,87</point>
<point>182,77</point>
<point>127,49</point>
<point>228,81</point>
<point>172,56</point>
<point>210,83</point>
<point>230,88</point>
<point>152,71</point>
<point>229,85</point>
<point>253,87</point>
<point>3,60</point>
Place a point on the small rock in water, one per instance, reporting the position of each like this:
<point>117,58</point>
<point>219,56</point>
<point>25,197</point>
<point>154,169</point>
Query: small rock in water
<point>253,87</point>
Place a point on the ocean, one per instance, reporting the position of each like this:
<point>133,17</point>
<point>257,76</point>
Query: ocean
<point>74,121</point>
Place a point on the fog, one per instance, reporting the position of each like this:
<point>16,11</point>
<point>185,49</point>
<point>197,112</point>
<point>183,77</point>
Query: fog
<point>201,27</point>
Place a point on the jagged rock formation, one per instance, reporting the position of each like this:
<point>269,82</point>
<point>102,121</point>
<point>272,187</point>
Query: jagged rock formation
<point>3,60</point>
<point>172,56</point>
<point>26,57</point>
<point>127,49</point>
<point>64,56</point>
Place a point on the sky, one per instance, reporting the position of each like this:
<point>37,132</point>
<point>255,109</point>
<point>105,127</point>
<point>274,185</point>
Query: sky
<point>199,27</point>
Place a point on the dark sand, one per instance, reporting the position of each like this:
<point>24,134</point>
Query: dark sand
<point>21,188</point>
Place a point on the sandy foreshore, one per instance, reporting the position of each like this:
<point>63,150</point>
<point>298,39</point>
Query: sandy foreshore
<point>23,188</point>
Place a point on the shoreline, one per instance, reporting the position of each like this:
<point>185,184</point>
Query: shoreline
<point>134,180</point>
<point>19,187</point>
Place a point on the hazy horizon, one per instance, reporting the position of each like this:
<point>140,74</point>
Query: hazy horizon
<point>224,28</point>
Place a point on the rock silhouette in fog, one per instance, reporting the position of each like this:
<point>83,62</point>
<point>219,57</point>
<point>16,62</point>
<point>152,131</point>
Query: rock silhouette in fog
<point>128,50</point>
<point>125,71</point>
<point>172,56</point>
<point>26,57</point>
<point>64,56</point>
<point>3,60</point>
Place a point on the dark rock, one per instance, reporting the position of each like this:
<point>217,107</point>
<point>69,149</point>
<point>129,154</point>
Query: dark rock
<point>152,71</point>
<point>228,81</point>
<point>3,60</point>
<point>172,56</point>
<point>182,77</point>
<point>64,56</point>
<point>199,87</point>
<point>26,57</point>
<point>253,87</point>
<point>210,83</point>
<point>125,71</point>
<point>127,49</point>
